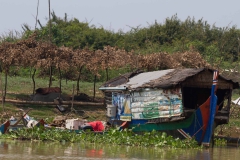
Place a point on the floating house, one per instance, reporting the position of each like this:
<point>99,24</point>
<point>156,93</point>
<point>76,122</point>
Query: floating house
<point>173,99</point>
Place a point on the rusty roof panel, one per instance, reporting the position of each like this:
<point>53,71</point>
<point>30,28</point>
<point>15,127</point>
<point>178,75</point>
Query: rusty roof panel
<point>175,77</point>
<point>157,79</point>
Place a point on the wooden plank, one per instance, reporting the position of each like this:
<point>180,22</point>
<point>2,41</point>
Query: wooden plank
<point>53,103</point>
<point>221,117</point>
<point>15,124</point>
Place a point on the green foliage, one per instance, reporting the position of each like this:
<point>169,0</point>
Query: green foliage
<point>11,36</point>
<point>113,136</point>
<point>220,142</point>
<point>219,46</point>
<point>178,34</point>
<point>75,34</point>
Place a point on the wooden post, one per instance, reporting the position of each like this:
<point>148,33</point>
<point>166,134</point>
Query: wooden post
<point>72,99</point>
<point>2,92</point>
<point>60,82</point>
<point>37,15</point>
<point>94,87</point>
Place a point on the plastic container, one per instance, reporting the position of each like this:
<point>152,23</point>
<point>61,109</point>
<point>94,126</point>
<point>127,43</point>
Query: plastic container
<point>74,124</point>
<point>111,111</point>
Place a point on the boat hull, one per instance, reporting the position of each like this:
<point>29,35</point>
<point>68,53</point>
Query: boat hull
<point>4,127</point>
<point>193,127</point>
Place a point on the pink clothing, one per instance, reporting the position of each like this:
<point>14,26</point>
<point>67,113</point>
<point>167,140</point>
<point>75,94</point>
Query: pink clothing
<point>97,125</point>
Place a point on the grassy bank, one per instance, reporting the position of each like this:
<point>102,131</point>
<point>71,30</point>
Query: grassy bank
<point>22,88</point>
<point>18,86</point>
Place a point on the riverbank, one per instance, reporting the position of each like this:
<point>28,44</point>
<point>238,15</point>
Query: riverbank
<point>91,113</point>
<point>20,89</point>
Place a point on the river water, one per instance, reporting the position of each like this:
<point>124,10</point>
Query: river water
<point>28,150</point>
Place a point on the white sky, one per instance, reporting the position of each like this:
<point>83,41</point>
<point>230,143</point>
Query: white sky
<point>118,14</point>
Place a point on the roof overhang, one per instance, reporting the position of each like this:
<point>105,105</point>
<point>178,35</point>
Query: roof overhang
<point>118,88</point>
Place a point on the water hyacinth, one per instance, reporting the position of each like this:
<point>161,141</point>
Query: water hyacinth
<point>113,136</point>
<point>220,142</point>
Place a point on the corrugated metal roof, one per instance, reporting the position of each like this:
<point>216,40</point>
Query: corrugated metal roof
<point>143,78</point>
<point>156,79</point>
<point>121,79</point>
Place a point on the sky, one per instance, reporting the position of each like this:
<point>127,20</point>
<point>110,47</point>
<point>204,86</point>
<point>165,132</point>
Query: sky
<point>117,15</point>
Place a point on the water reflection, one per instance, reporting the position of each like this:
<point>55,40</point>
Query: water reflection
<point>45,150</point>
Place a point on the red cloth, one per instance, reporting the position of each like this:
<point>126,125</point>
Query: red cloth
<point>97,125</point>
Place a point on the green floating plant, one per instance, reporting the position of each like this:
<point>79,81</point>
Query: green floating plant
<point>113,136</point>
<point>220,142</point>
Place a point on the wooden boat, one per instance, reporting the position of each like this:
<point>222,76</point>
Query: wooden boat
<point>14,124</point>
<point>168,100</point>
<point>4,127</point>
